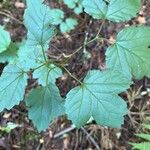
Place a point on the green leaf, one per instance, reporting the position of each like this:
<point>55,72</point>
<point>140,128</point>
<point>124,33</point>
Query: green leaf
<point>115,10</point>
<point>78,9</point>
<point>37,20</point>
<point>131,52</point>
<point>141,146</point>
<point>96,8</point>
<point>57,15</point>
<point>10,126</point>
<point>47,74</point>
<point>9,55</point>
<point>146,126</point>
<point>123,10</point>
<point>75,4</point>
<point>144,136</point>
<point>98,98</point>
<point>5,39</point>
<point>30,57</point>
<point>44,105</point>
<point>12,88</point>
<point>70,3</point>
<point>68,25</point>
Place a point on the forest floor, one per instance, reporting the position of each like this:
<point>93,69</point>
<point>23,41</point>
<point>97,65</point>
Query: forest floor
<point>92,136</point>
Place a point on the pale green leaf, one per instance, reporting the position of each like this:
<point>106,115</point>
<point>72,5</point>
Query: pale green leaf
<point>70,3</point>
<point>68,25</point>
<point>98,98</point>
<point>123,10</point>
<point>31,57</point>
<point>131,52</point>
<point>141,146</point>
<point>13,82</point>
<point>146,126</point>
<point>57,16</point>
<point>78,9</point>
<point>96,8</point>
<point>37,19</point>
<point>10,126</point>
<point>47,74</point>
<point>5,39</point>
<point>144,136</point>
<point>44,105</point>
<point>75,4</point>
<point>114,10</point>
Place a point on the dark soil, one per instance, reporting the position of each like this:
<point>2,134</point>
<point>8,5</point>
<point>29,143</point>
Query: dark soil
<point>26,137</point>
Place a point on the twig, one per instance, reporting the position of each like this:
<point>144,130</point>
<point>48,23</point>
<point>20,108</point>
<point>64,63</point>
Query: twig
<point>90,138</point>
<point>64,131</point>
<point>11,17</point>
<point>69,73</point>
<point>72,128</point>
<point>100,29</point>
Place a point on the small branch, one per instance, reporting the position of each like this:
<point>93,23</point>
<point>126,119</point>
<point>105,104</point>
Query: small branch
<point>71,75</point>
<point>68,56</point>
<point>38,67</point>
<point>64,131</point>
<point>100,29</point>
<point>91,138</point>
<point>11,17</point>
<point>86,42</point>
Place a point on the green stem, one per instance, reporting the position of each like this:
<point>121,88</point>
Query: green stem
<point>44,54</point>
<point>68,56</point>
<point>69,73</point>
<point>38,67</point>
<point>86,43</point>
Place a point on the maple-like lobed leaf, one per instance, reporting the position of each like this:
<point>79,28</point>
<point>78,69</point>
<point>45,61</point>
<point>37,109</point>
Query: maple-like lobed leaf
<point>44,105</point>
<point>131,52</point>
<point>123,10</point>
<point>12,88</point>
<point>38,20</point>
<point>98,98</point>
<point>30,57</point>
<point>96,8</point>
<point>115,10</point>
